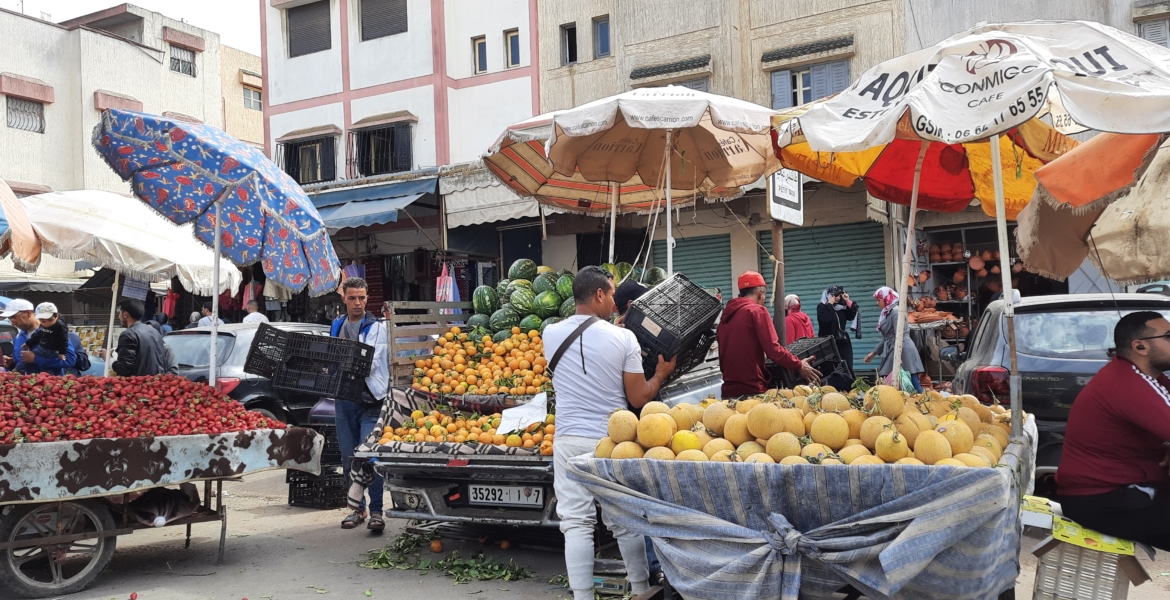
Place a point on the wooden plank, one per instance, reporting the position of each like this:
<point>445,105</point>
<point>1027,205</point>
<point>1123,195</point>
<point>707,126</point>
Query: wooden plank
<point>403,319</point>
<point>429,305</point>
<point>414,346</point>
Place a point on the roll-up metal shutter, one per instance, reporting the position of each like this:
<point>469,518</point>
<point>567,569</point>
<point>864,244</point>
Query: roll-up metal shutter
<point>852,256</point>
<point>704,260</point>
<point>309,29</point>
<point>381,18</point>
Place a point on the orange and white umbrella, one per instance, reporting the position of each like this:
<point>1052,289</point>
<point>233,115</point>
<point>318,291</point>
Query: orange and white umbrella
<point>16,232</point>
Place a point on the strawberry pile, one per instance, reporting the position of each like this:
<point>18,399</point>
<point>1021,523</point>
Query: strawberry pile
<point>45,408</point>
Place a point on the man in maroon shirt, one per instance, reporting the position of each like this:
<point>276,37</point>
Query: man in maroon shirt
<point>746,335</point>
<point>1113,474</point>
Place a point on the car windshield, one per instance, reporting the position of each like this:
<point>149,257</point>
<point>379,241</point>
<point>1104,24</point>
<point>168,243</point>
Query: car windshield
<point>1078,334</point>
<point>192,349</point>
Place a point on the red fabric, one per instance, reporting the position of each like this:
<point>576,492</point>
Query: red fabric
<point>1115,432</point>
<point>945,184</point>
<point>746,335</point>
<point>797,325</point>
<point>751,279</point>
<point>170,303</point>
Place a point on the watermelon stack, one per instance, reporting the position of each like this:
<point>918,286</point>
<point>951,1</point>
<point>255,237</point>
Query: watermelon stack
<point>531,297</point>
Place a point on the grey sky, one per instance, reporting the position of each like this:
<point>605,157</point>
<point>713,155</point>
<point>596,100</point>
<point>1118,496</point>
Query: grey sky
<point>236,21</point>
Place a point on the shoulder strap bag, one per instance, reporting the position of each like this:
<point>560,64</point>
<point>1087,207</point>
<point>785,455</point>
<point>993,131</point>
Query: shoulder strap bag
<point>552,364</point>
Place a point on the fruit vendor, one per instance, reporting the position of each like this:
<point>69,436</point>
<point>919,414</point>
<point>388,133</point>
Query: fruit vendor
<point>1113,474</point>
<point>357,418</point>
<point>746,336</point>
<point>141,350</point>
<point>21,314</point>
<point>596,368</point>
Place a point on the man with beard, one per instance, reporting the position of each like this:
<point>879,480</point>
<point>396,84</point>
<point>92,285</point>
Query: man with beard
<point>1113,474</point>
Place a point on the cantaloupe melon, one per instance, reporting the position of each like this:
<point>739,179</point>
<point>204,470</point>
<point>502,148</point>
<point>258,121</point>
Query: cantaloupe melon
<point>794,460</point>
<point>887,401</point>
<point>765,420</point>
<point>692,455</point>
<point>970,417</point>
<point>654,407</point>
<point>682,417</point>
<point>696,412</point>
<point>828,388</point>
<point>891,446</point>
<point>759,457</point>
<point>716,415</point>
<point>725,456</point>
<point>991,458</point>
<point>656,429</point>
<point>834,402</point>
<point>871,429</point>
<point>849,453</point>
<point>931,447</point>
<point>809,418</point>
<point>971,460</point>
<point>969,401</point>
<point>855,418</point>
<point>854,442</point>
<point>868,460</point>
<point>685,440</point>
<point>909,460</point>
<point>793,420</point>
<point>950,462</point>
<point>743,406</point>
<point>781,445</point>
<point>626,450</point>
<point>716,445</point>
<point>623,426</point>
<point>817,451</point>
<point>910,424</point>
<point>701,432</point>
<point>830,429</point>
<point>829,460</point>
<point>999,434</point>
<point>747,449</point>
<point>958,435</point>
<point>990,443</point>
<point>803,390</point>
<point>659,453</point>
<point>984,413</point>
<point>800,403</point>
<point>604,448</point>
<point>736,429</point>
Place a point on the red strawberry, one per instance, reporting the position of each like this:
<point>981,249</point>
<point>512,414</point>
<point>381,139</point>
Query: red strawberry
<point>177,134</point>
<point>124,150</point>
<point>124,164</point>
<point>208,190</point>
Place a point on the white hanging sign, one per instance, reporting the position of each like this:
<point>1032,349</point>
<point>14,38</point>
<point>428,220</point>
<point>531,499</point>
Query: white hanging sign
<point>786,197</point>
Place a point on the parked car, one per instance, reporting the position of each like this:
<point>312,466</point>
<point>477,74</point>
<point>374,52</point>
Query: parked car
<point>191,348</point>
<point>1061,342</point>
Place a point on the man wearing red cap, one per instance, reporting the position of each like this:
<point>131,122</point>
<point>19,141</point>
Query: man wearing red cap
<point>746,336</point>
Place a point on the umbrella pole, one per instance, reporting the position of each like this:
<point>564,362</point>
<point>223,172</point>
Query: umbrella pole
<point>669,235</point>
<point>902,300</point>
<point>1009,311</point>
<point>613,199</point>
<point>110,332</point>
<point>214,299</point>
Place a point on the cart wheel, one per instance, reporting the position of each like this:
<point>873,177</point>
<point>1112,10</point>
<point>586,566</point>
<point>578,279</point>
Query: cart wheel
<point>54,569</point>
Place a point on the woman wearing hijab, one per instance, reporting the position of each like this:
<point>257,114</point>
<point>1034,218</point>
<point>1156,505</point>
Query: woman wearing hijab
<point>833,316</point>
<point>887,300</point>
<point>797,325</point>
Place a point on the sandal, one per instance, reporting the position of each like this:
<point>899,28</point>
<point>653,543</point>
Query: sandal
<point>376,523</point>
<point>354,519</point>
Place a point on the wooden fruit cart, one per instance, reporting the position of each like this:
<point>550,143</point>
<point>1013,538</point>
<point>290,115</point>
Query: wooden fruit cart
<point>411,330</point>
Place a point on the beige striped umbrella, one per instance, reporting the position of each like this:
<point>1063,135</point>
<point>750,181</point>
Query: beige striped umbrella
<point>17,236</point>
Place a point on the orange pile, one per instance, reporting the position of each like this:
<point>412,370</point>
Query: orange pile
<point>462,365</point>
<point>460,428</point>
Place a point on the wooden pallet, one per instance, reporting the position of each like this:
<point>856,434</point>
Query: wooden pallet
<point>406,323</point>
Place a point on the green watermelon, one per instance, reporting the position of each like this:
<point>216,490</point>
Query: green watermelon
<point>541,270</point>
<point>547,304</point>
<point>504,320</point>
<point>507,305</point>
<point>522,269</point>
<point>530,323</point>
<point>479,320</point>
<point>502,288</point>
<point>564,272</point>
<point>654,276</point>
<point>546,282</point>
<point>623,269</point>
<point>523,301</point>
<point>502,335</point>
<point>565,286</point>
<point>517,284</point>
<point>484,301</point>
<point>549,321</point>
<point>568,308</point>
<point>610,268</point>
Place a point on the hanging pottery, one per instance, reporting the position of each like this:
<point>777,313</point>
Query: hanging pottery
<point>959,276</point>
<point>975,263</point>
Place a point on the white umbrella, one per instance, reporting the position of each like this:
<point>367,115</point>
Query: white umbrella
<point>672,137</point>
<point>982,82</point>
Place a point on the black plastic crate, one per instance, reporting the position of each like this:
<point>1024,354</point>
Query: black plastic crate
<point>688,358</point>
<point>323,379</point>
<point>821,350</point>
<point>267,352</point>
<point>329,474</point>
<point>331,451</point>
<point>672,316</point>
<point>347,355</point>
<point>327,490</point>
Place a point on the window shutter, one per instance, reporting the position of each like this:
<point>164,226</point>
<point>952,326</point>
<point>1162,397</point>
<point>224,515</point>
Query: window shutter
<point>328,158</point>
<point>381,18</point>
<point>695,84</point>
<point>403,160</point>
<point>1156,31</point>
<point>819,80</point>
<point>838,76</point>
<point>782,89</point>
<point>309,29</point>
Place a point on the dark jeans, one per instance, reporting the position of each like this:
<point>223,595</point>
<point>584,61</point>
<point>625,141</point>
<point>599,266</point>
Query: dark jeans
<point>1127,513</point>
<point>354,423</point>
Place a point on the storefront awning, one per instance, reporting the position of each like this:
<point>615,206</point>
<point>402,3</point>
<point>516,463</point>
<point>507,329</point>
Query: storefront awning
<point>40,285</point>
<point>367,205</point>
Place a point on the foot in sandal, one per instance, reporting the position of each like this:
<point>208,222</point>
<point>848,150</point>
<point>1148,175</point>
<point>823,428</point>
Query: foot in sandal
<point>354,519</point>
<point>376,523</point>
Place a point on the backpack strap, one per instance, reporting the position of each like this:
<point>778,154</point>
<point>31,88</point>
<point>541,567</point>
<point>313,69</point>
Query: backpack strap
<point>552,364</point>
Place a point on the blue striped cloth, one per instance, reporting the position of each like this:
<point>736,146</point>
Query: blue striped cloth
<point>728,531</point>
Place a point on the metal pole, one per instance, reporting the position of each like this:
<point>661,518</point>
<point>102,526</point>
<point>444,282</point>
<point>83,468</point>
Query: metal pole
<point>1009,311</point>
<point>613,200</point>
<point>110,332</point>
<point>669,217</point>
<point>778,309</point>
<point>214,299</point>
<point>906,268</point>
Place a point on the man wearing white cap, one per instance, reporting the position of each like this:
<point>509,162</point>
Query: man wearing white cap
<point>22,314</point>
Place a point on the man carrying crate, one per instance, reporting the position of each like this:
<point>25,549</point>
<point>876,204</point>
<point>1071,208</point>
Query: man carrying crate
<point>356,419</point>
<point>746,335</point>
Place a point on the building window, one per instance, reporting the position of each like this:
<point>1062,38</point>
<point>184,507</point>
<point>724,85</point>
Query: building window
<point>601,37</point>
<point>1155,31</point>
<point>479,54</point>
<point>380,150</point>
<point>26,115</point>
<point>695,84</point>
<point>252,99</point>
<point>793,87</point>
<point>309,161</point>
<point>569,44</point>
<point>309,30</point>
<point>182,60</point>
<point>512,47</point>
<point>381,18</point>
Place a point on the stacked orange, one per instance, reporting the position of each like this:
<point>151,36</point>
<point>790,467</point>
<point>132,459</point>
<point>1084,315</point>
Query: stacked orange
<point>460,428</point>
<point>462,365</point>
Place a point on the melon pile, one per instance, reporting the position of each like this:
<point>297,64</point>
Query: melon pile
<point>816,425</point>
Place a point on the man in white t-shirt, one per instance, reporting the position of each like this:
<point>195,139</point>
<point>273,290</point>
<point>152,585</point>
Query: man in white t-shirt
<point>254,315</point>
<point>598,372</point>
<point>206,321</point>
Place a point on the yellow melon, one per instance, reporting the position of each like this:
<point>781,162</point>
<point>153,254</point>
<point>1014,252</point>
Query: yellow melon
<point>725,456</point>
<point>958,435</point>
<point>659,453</point>
<point>794,460</point>
<point>692,455</point>
<point>701,433</point>
<point>868,460</point>
<point>802,390</point>
<point>969,401</point>
<point>910,424</point>
<point>854,442</point>
<point>855,418</point>
<point>759,457</point>
<point>627,450</point>
<point>891,446</point>
<point>654,407</point>
<point>747,449</point>
<point>716,445</point>
<point>604,448</point>
<point>871,429</point>
<point>800,403</point>
<point>971,460</point>
<point>808,420</point>
<point>623,426</point>
<point>736,429</point>
<point>984,413</point>
<point>939,408</point>
<point>987,454</point>
<point>970,417</point>
<point>685,440</point>
<point>950,462</point>
<point>781,445</point>
<point>828,388</point>
<point>696,412</point>
<point>682,416</point>
<point>765,420</point>
<point>931,447</point>
<point>834,402</point>
<point>656,429</point>
<point>909,460</point>
<point>830,429</point>
<point>716,415</point>
<point>817,451</point>
<point>849,453</point>
<point>990,443</point>
<point>999,434</point>
<point>743,406</point>
<point>831,461</point>
<point>793,420</point>
<point>785,392</point>
<point>888,401</point>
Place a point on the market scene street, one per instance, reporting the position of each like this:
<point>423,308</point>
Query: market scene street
<point>641,300</point>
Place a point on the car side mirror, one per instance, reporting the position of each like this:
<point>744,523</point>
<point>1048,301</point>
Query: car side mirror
<point>952,356</point>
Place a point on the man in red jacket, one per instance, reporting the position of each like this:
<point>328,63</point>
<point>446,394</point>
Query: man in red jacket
<point>1113,474</point>
<point>746,336</point>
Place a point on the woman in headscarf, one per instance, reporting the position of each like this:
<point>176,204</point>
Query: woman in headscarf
<point>797,325</point>
<point>887,300</point>
<point>834,313</point>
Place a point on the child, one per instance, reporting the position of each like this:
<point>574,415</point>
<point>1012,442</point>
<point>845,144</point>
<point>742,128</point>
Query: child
<point>52,338</point>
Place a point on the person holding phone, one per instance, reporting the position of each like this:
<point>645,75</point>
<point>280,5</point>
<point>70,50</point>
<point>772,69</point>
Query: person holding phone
<point>834,313</point>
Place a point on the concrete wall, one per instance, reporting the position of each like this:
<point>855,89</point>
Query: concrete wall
<point>478,115</point>
<point>303,77</point>
<point>931,21</point>
<point>560,252</point>
<point>240,121</point>
<point>411,50</point>
<point>467,19</point>
<point>420,101</point>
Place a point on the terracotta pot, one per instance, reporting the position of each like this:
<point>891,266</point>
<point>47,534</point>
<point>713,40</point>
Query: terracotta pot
<point>959,276</point>
<point>911,281</point>
<point>982,273</point>
<point>944,247</point>
<point>923,276</point>
<point>975,263</point>
<point>960,294</point>
<point>995,286</point>
<point>986,256</point>
<point>947,257</point>
<point>949,333</point>
<point>934,249</point>
<point>995,269</point>
<point>995,255</point>
<point>964,331</point>
<point>956,248</point>
<point>942,295</point>
<point>936,258</point>
<point>1017,267</point>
